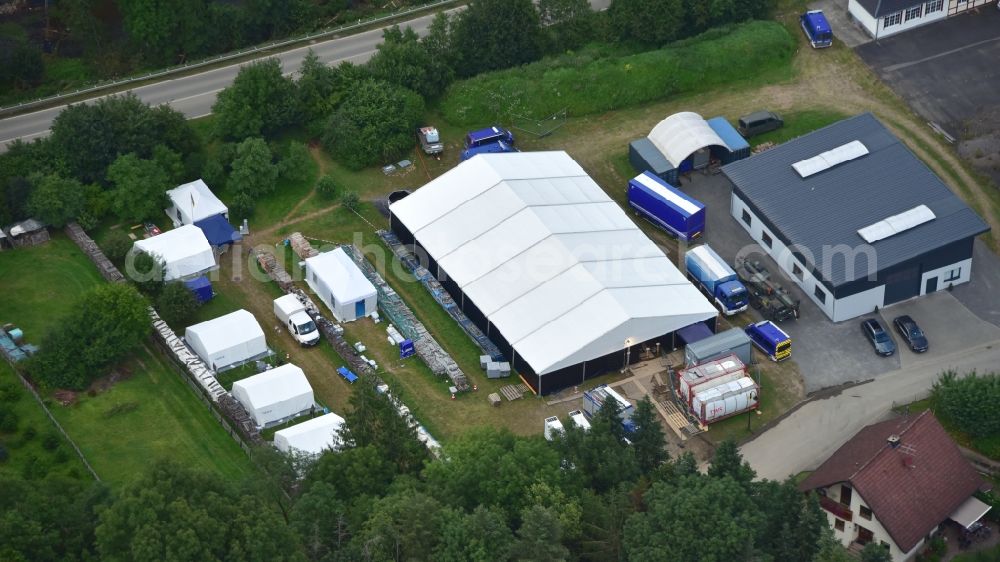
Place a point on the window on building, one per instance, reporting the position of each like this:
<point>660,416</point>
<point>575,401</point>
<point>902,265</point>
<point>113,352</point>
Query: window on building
<point>865,512</point>
<point>820,294</point>
<point>746,217</point>
<point>933,6</point>
<point>797,271</point>
<point>766,239</point>
<point>954,274</point>
<point>845,495</point>
<point>838,524</point>
<point>892,19</point>
<point>914,12</point>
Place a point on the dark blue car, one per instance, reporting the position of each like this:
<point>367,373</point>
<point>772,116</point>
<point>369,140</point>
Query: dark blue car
<point>912,334</point>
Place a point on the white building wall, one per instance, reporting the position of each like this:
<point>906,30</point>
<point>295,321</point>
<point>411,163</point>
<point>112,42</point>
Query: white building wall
<point>836,309</point>
<point>959,6</point>
<point>342,311</point>
<point>862,16</point>
<point>851,528</point>
<point>946,275</point>
<point>876,26</point>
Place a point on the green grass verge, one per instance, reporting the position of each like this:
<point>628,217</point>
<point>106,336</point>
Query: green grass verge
<point>35,449</point>
<point>988,555</point>
<point>150,416</point>
<point>988,445</point>
<point>40,284</point>
<point>798,123</point>
<point>755,53</point>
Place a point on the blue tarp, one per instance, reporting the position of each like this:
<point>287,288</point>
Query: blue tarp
<point>739,148</point>
<point>218,230</point>
<point>694,332</point>
<point>201,287</point>
<point>347,374</point>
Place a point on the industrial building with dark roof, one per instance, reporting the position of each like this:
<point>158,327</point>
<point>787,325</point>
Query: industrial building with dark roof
<point>854,218</point>
<point>895,483</point>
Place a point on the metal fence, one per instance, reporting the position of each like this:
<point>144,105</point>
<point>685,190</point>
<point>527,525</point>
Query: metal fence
<point>278,44</point>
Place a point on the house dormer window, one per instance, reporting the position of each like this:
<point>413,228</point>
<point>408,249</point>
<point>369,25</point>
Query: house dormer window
<point>865,512</point>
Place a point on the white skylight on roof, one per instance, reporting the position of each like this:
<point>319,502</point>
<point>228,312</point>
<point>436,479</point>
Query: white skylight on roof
<point>830,158</point>
<point>897,223</point>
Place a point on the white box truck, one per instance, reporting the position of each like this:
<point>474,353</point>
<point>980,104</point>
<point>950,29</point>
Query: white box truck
<point>292,313</point>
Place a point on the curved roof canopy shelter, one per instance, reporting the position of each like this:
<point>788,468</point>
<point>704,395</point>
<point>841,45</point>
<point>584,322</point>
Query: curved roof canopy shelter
<point>682,134</point>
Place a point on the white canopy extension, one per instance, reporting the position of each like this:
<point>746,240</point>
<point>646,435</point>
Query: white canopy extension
<point>554,264</point>
<point>184,251</point>
<point>682,134</point>
<point>341,285</point>
<point>193,202</point>
<point>311,437</point>
<point>897,223</point>
<point>227,340</point>
<point>969,512</point>
<point>826,160</point>
<point>275,395</point>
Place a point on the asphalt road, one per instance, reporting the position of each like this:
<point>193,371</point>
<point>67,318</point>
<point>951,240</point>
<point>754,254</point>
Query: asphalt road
<point>194,95</point>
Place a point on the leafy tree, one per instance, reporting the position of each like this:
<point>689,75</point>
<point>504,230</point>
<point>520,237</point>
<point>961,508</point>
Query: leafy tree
<point>171,163</point>
<point>167,33</point>
<point>374,123</point>
<point>260,102</point>
<point>402,60</point>
<point>480,536</point>
<point>402,526</point>
<point>793,523</point>
<point>438,41</point>
<point>648,440</point>
<point>327,186</point>
<point>103,326</point>
<point>874,552</point>
<point>717,510</point>
<point>176,304</point>
<point>55,200</point>
<point>145,272</point>
<point>728,462</point>
<point>14,204</point>
<point>117,245</point>
<point>254,172</point>
<point>20,63</point>
<point>321,89</point>
<point>373,420</point>
<point>602,524</point>
<point>830,549</point>
<point>972,402</point>
<point>600,457</point>
<point>140,188</point>
<point>540,536</point>
<point>320,521</point>
<point>496,34</point>
<point>242,205</point>
<point>297,166</point>
<point>349,200</point>
<point>650,22</point>
<point>568,23</point>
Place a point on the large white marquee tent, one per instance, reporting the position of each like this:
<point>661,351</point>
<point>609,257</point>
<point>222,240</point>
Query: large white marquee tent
<point>275,395</point>
<point>341,285</point>
<point>551,269</point>
<point>311,437</point>
<point>184,251</point>
<point>227,340</point>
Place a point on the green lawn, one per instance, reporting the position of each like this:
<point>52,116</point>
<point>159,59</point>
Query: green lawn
<point>798,123</point>
<point>35,448</point>
<point>988,555</point>
<point>39,284</point>
<point>152,415</point>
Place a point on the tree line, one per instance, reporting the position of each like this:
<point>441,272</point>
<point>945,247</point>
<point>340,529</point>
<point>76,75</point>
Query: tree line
<point>492,495</point>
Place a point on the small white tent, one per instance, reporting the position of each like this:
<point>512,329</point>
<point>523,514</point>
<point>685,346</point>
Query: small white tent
<point>311,437</point>
<point>341,285</point>
<point>275,395</point>
<point>192,202</point>
<point>227,340</point>
<point>184,251</point>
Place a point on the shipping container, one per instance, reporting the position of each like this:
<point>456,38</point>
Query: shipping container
<point>666,206</point>
<point>645,157</point>
<point>699,378</point>
<point>731,342</point>
<point>725,400</point>
<point>738,147</point>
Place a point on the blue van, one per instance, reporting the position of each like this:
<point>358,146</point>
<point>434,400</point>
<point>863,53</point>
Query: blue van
<point>817,29</point>
<point>489,135</point>
<point>770,339</point>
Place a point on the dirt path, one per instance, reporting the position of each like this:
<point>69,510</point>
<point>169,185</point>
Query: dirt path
<point>289,218</point>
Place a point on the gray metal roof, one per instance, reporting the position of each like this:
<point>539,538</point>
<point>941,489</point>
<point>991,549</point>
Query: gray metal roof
<point>652,155</point>
<point>729,339</point>
<point>879,8</point>
<point>828,208</point>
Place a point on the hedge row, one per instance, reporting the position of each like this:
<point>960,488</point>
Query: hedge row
<point>538,90</point>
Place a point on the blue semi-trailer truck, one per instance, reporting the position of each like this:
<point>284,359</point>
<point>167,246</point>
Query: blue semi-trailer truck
<point>714,276</point>
<point>666,206</point>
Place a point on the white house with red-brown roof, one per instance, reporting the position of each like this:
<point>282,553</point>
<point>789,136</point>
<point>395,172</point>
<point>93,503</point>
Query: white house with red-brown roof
<point>895,483</point>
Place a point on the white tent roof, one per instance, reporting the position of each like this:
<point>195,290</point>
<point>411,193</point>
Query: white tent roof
<point>196,200</point>
<point>549,258</point>
<point>277,385</point>
<point>185,251</point>
<point>313,436</point>
<point>344,278</point>
<point>681,134</point>
<point>226,331</point>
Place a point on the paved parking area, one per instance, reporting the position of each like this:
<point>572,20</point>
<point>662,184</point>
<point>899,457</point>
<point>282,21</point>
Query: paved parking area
<point>841,22</point>
<point>982,294</point>
<point>947,71</point>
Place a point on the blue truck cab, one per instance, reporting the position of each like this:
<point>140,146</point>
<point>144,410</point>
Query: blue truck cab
<point>714,276</point>
<point>489,135</point>
<point>817,29</point>
<point>770,339</point>
<point>666,206</point>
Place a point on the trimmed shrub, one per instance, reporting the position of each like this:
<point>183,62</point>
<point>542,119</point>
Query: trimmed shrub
<point>327,187</point>
<point>50,442</point>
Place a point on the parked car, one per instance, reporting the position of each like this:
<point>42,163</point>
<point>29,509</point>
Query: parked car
<point>878,337</point>
<point>912,334</point>
<point>759,122</point>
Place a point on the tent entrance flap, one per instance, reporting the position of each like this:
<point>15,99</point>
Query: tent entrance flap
<point>969,512</point>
